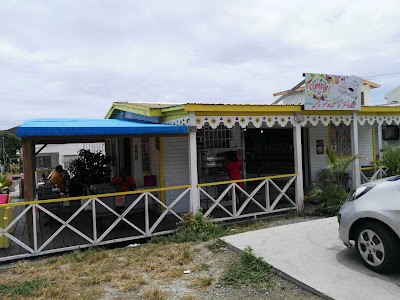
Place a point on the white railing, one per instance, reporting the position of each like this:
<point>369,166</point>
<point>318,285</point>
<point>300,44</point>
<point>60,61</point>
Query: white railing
<point>227,200</point>
<point>83,224</point>
<point>78,222</point>
<point>368,174</point>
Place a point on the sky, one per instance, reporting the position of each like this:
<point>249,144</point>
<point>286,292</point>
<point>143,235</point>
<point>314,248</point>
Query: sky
<point>74,58</point>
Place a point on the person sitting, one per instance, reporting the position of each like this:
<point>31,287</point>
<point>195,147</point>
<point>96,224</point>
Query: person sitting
<point>124,182</point>
<point>60,178</point>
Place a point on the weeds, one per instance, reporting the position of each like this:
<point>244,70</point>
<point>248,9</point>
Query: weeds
<point>193,228</point>
<point>217,246</point>
<point>203,281</point>
<point>248,270</point>
<point>155,293</point>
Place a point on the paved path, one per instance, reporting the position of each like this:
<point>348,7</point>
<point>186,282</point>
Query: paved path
<point>311,254</point>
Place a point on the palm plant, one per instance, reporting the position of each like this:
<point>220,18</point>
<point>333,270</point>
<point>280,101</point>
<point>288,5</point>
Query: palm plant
<point>329,189</point>
<point>391,160</point>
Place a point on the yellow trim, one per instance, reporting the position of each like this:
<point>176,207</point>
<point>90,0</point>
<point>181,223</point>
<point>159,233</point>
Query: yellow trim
<point>173,108</point>
<point>161,168</point>
<point>242,109</point>
<point>247,180</point>
<point>178,187</point>
<point>137,109</point>
<point>372,168</point>
<point>174,117</point>
<point>379,109</point>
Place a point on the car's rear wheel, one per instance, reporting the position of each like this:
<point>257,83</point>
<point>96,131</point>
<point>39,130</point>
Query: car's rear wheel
<point>378,247</point>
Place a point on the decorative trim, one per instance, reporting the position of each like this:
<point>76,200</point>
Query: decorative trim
<point>281,120</point>
<point>380,120</point>
<point>242,121</point>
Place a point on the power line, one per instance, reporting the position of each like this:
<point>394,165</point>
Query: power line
<point>387,75</point>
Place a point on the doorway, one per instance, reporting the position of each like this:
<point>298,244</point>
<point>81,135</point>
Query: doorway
<point>269,152</point>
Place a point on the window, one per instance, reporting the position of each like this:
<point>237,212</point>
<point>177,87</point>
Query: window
<point>208,138</point>
<point>43,162</point>
<point>362,98</point>
<point>145,155</point>
<point>67,159</point>
<point>340,139</point>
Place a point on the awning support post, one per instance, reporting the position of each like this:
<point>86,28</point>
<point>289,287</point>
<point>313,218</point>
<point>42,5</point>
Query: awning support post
<point>193,176</point>
<point>354,151</point>
<point>298,166</point>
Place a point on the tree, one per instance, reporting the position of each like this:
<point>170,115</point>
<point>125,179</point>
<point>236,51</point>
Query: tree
<point>90,168</point>
<point>10,143</point>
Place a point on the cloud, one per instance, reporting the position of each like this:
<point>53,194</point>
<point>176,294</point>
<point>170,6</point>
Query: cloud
<point>73,59</point>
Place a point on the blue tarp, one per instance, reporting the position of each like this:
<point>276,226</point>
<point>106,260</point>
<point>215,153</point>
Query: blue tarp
<point>93,127</point>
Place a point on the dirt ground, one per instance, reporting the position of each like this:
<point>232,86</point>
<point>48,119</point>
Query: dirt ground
<point>187,287</point>
<point>184,271</point>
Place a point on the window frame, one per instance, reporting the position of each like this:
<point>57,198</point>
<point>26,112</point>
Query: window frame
<point>346,140</point>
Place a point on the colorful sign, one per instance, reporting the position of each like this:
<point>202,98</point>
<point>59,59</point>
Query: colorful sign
<point>332,92</point>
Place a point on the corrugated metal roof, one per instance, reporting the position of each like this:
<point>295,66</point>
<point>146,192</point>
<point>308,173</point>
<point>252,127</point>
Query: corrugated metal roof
<point>94,127</point>
<point>151,105</point>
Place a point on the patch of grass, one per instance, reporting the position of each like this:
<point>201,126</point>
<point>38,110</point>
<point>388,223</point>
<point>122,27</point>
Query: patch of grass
<point>248,270</point>
<point>205,267</point>
<point>203,281</point>
<point>155,293</point>
<point>217,246</point>
<point>21,289</point>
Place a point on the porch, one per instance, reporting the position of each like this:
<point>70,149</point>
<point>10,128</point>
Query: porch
<point>37,229</point>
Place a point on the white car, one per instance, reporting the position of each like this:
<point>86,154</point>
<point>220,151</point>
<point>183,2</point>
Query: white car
<point>371,218</point>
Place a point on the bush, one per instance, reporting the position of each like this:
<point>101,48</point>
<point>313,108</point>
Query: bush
<point>194,227</point>
<point>391,160</point>
<point>329,189</point>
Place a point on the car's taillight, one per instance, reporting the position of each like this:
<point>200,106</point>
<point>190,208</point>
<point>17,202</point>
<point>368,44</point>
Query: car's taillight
<point>358,192</point>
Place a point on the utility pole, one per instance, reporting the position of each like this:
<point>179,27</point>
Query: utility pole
<point>3,150</point>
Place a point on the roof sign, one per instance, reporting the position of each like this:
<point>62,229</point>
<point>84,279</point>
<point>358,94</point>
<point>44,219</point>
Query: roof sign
<point>332,92</point>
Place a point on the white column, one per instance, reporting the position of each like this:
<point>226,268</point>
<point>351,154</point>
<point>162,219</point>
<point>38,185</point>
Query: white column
<point>356,178</point>
<point>380,146</point>
<point>298,165</point>
<point>193,176</point>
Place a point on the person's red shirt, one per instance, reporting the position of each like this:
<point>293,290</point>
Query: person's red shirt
<point>233,169</point>
<point>124,184</point>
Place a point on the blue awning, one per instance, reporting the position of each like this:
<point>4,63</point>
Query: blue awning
<point>93,127</point>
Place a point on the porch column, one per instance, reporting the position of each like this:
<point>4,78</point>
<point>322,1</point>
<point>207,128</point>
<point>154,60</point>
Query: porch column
<point>298,165</point>
<point>193,178</point>
<point>356,179</point>
<point>29,161</point>
<point>380,146</point>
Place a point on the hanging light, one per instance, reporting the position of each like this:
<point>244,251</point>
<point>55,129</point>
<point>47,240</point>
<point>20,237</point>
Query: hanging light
<point>262,131</point>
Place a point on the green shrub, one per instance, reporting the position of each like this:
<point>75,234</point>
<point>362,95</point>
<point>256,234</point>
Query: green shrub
<point>194,227</point>
<point>329,189</point>
<point>391,160</point>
